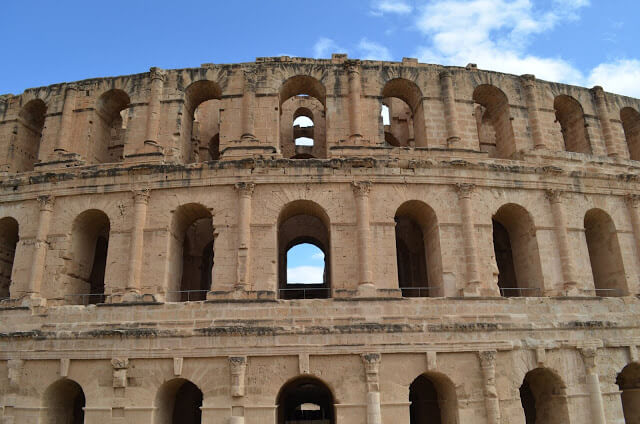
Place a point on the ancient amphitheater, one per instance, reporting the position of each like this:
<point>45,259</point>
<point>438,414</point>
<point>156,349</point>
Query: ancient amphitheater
<point>482,248</point>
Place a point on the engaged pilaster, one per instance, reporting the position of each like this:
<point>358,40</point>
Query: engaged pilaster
<point>633,202</point>
<point>355,93</point>
<point>529,84</point>
<point>157,76</point>
<point>245,191</point>
<point>469,236</point>
<point>371,363</point>
<point>605,121</point>
<point>361,192</point>
<point>491,400</point>
<point>46,203</point>
<point>450,113</point>
<point>141,200</point>
<point>248,103</point>
<point>570,285</point>
<point>590,356</point>
<point>66,124</point>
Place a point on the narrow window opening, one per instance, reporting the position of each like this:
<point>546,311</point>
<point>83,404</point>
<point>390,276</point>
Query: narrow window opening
<point>570,118</point>
<point>411,257</point>
<point>493,121</point>
<point>24,151</point>
<point>113,110</point>
<point>604,254</point>
<point>631,125</point>
<point>8,243</point>
<point>402,114</point>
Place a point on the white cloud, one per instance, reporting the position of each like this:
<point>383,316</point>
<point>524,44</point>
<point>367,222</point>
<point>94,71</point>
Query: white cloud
<point>620,77</point>
<point>305,275</point>
<point>373,51</point>
<point>495,35</point>
<point>318,256</point>
<point>325,46</point>
<point>398,7</point>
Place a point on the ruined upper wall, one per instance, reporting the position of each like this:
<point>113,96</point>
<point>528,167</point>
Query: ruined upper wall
<point>153,117</point>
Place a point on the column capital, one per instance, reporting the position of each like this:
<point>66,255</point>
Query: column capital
<point>632,199</point>
<point>590,356</point>
<point>528,80</point>
<point>157,73</point>
<point>371,362</point>
<point>47,202</point>
<point>487,358</point>
<point>352,66</point>
<point>244,188</point>
<point>237,367</point>
<point>250,74</point>
<point>71,86</point>
<point>141,196</point>
<point>598,92</point>
<point>361,188</point>
<point>465,190</point>
<point>446,74</point>
<point>554,195</point>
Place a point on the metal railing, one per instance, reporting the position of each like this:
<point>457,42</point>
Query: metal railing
<point>188,295</point>
<point>418,291</point>
<point>85,298</point>
<point>305,293</point>
<point>520,291</point>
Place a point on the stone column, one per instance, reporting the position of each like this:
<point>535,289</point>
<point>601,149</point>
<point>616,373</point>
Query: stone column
<point>491,400</point>
<point>141,200</point>
<point>589,355</point>
<point>355,93</point>
<point>529,84</point>
<point>66,124</point>
<point>566,258</point>
<point>605,121</point>
<point>633,201</point>
<point>361,191</point>
<point>153,112</point>
<point>245,190</point>
<point>40,247</point>
<point>371,363</point>
<point>450,113</point>
<point>248,103</point>
<point>469,238</point>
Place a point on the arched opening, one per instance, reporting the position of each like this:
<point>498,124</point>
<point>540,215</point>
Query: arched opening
<point>629,383</point>
<point>201,121</point>
<point>432,400</point>
<point>8,243</point>
<point>302,118</point>
<point>604,253</point>
<point>23,152</point>
<point>516,252</point>
<point>64,402</point>
<point>543,398</point>
<point>111,122</point>
<point>178,401</point>
<point>90,244</point>
<point>193,239</point>
<point>631,124</point>
<point>570,116</point>
<point>305,400</point>
<point>418,250</point>
<point>493,121</point>
<point>403,100</point>
<point>303,222</point>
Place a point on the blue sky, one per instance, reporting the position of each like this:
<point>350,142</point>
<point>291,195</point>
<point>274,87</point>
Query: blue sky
<point>584,42</point>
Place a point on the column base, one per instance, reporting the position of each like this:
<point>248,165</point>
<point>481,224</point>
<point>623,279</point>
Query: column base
<point>60,160</point>
<point>244,150</point>
<point>367,291</point>
<point>241,294</point>
<point>471,289</point>
<point>132,297</point>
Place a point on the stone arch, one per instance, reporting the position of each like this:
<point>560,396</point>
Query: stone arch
<point>631,124</point>
<point>9,236</point>
<point>418,254</point>
<point>302,95</point>
<point>89,248</point>
<point>63,402</point>
<point>178,401</point>
<point>303,221</point>
<point>604,253</point>
<point>305,399</point>
<point>516,252</point>
<point>110,126</point>
<point>192,252</point>
<point>433,400</point>
<point>24,150</point>
<point>628,380</point>
<point>543,397</point>
<point>570,116</point>
<point>201,121</point>
<point>493,121</point>
<point>406,112</point>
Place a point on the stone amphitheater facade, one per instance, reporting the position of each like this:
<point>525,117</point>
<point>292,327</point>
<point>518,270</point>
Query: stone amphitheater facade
<point>482,248</point>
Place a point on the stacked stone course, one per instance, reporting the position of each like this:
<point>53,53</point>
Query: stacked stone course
<point>482,248</point>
